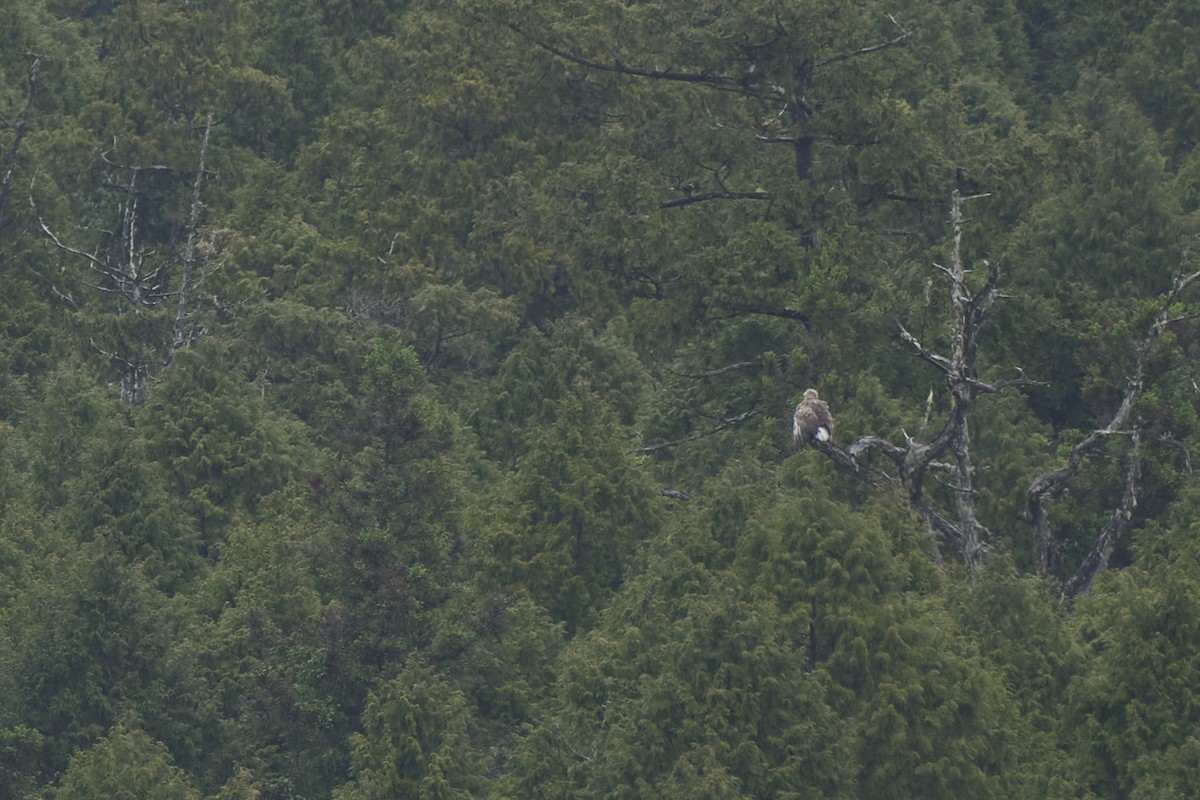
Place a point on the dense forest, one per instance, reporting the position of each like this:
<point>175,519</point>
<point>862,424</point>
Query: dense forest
<point>396,399</point>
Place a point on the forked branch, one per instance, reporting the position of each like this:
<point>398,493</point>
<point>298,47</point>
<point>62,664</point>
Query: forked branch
<point>960,528</point>
<point>1052,484</point>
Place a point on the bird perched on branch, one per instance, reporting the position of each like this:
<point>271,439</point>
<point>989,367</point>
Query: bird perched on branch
<point>812,422</point>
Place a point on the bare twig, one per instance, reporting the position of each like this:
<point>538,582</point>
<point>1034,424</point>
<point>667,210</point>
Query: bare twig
<point>898,41</point>
<point>705,196</point>
<point>711,373</point>
<point>728,422</point>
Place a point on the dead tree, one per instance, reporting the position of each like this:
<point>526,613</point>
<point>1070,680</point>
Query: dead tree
<point>135,277</point>
<point>957,528</point>
<point>122,269</point>
<point>1051,485</point>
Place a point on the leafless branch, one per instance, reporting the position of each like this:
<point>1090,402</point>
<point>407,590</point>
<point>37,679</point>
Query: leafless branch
<point>998,386</point>
<point>718,371</point>
<point>1187,456</point>
<point>131,167</point>
<point>1096,561</point>
<point>181,335</point>
<point>728,422</point>
<point>705,196</point>
<point>1051,484</point>
<point>898,41</point>
<point>74,251</point>
<point>783,313</point>
<point>941,362</point>
<point>616,65</point>
<point>968,310</point>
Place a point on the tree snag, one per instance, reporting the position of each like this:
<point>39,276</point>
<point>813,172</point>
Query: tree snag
<point>1052,484</point>
<point>959,528</point>
<point>136,278</point>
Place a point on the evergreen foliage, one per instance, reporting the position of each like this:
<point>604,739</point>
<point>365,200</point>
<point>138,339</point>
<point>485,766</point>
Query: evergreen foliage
<point>394,399</point>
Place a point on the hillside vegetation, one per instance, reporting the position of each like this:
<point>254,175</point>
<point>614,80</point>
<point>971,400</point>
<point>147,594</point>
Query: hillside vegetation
<point>396,399</point>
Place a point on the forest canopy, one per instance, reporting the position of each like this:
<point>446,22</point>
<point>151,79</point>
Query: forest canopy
<point>396,399</point>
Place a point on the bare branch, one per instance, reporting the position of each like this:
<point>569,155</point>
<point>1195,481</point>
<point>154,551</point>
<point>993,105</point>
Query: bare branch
<point>898,41</point>
<point>131,167</point>
<point>725,423</point>
<point>1187,456</point>
<point>718,371</point>
<point>720,82</point>
<point>1051,484</point>
<point>783,313</point>
<point>941,362</point>
<point>96,262</point>
<point>998,386</point>
<point>65,297</point>
<point>947,533</point>
<point>915,459</point>
<point>704,196</point>
<point>1096,561</point>
<point>865,444</point>
<point>180,336</point>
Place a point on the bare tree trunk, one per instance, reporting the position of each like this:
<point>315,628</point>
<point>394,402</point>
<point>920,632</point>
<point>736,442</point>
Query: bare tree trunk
<point>119,267</point>
<point>181,336</point>
<point>969,310</point>
<point>1106,540</point>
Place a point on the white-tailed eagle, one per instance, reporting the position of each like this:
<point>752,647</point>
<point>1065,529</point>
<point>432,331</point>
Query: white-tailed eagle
<point>812,422</point>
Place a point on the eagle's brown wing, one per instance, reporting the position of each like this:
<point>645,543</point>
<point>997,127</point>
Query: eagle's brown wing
<point>812,421</point>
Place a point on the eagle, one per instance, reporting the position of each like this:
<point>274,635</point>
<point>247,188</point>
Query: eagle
<point>812,421</point>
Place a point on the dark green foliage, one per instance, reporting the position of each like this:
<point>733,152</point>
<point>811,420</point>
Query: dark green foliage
<point>216,441</point>
<point>685,686</point>
<point>88,639</point>
<point>414,742</point>
<point>572,512</point>
<point>395,398</point>
<point>1133,713</point>
<point>125,763</point>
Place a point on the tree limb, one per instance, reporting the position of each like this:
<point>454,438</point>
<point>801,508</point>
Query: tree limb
<point>725,423</point>
<point>947,533</point>
<point>899,41</point>
<point>1051,484</point>
<point>704,196</point>
<point>710,373</point>
<point>783,313</point>
<point>720,82</point>
<point>1096,561</point>
<point>915,459</point>
<point>180,336</point>
<point>941,362</point>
